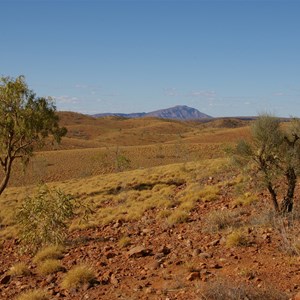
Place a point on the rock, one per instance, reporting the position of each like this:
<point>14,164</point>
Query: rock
<point>297,296</point>
<point>110,254</point>
<point>139,251</point>
<point>153,265</point>
<point>165,250</point>
<point>5,279</point>
<point>196,252</point>
<point>114,280</point>
<point>214,243</point>
<point>205,255</point>
<point>192,276</point>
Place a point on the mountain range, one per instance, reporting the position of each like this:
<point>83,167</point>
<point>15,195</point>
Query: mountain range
<point>179,112</point>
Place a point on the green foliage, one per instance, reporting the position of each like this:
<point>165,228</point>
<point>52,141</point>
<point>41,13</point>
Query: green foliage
<point>25,122</point>
<point>43,219</point>
<point>273,153</point>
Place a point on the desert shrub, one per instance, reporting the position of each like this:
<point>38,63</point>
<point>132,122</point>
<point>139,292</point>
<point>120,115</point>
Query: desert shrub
<point>19,269</point>
<point>221,289</point>
<point>49,266</point>
<point>178,216</point>
<point>43,218</point>
<point>78,276</point>
<point>33,295</point>
<point>49,252</point>
<point>237,238</point>
<point>220,220</point>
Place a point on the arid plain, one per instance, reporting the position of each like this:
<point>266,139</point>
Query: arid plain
<point>170,215</point>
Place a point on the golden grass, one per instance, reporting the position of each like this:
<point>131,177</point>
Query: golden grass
<point>124,241</point>
<point>128,195</point>
<point>19,269</point>
<point>237,238</point>
<point>49,252</point>
<point>49,266</point>
<point>37,294</point>
<point>78,276</point>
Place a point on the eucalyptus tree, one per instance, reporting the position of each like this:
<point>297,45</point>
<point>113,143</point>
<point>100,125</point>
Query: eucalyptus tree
<point>25,122</point>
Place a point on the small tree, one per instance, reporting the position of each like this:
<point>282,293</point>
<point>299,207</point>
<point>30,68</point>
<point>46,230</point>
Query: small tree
<point>274,156</point>
<point>25,122</point>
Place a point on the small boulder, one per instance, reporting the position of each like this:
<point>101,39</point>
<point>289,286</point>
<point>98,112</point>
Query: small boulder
<point>139,251</point>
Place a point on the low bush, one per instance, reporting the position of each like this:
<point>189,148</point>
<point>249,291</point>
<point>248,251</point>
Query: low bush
<point>43,219</point>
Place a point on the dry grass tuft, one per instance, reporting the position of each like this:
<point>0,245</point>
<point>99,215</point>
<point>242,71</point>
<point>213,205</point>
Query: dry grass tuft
<point>50,252</point>
<point>221,220</point>
<point>49,266</point>
<point>19,269</point>
<point>237,238</point>
<point>124,241</point>
<point>78,276</point>
<point>33,295</point>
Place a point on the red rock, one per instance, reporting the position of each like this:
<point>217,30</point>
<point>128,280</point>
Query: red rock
<point>5,279</point>
<point>139,251</point>
<point>193,275</point>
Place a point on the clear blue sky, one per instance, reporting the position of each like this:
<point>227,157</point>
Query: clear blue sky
<point>225,58</point>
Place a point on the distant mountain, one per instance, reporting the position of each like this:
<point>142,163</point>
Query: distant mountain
<point>179,112</point>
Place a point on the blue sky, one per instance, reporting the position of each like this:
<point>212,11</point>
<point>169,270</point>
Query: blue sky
<point>225,58</point>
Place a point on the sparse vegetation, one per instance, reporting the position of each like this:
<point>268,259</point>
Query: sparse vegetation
<point>19,269</point>
<point>49,266</point>
<point>49,252</point>
<point>37,294</point>
<point>43,218</point>
<point>78,276</point>
<point>237,238</point>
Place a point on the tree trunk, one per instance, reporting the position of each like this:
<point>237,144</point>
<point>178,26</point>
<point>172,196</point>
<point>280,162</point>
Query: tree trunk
<point>5,180</point>
<point>288,201</point>
<point>274,196</point>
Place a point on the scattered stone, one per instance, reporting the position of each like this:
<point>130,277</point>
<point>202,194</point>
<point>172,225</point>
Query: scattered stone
<point>193,275</point>
<point>139,251</point>
<point>205,255</point>
<point>297,296</point>
<point>114,280</point>
<point>196,252</point>
<point>165,250</point>
<point>110,254</point>
<point>5,279</point>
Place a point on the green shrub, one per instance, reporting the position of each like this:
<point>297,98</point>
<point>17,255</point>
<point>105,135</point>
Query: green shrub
<point>43,219</point>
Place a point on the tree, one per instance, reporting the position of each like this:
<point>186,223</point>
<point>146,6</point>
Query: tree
<point>25,122</point>
<point>274,156</point>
